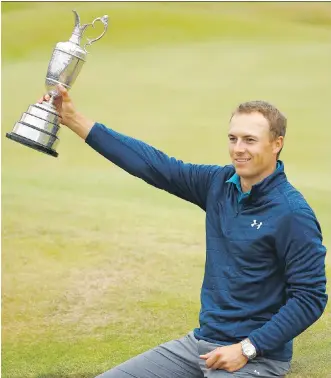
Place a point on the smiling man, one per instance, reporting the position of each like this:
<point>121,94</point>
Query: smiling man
<point>264,280</point>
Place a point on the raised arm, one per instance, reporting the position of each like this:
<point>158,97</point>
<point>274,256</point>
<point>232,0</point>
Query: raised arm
<point>187,181</point>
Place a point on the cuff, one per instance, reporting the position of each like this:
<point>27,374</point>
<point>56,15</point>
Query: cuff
<point>253,341</point>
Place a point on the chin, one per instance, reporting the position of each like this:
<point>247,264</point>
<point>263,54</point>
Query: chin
<point>243,172</point>
<point>241,169</point>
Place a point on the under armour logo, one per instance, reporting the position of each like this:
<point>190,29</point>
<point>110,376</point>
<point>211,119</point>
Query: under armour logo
<point>258,225</point>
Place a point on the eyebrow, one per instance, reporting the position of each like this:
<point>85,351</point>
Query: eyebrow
<point>245,136</point>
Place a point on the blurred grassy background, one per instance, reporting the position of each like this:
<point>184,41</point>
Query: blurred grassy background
<point>98,266</point>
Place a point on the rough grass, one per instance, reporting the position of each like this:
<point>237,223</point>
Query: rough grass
<point>96,265</point>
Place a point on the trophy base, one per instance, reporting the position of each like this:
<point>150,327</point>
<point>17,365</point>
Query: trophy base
<point>32,144</point>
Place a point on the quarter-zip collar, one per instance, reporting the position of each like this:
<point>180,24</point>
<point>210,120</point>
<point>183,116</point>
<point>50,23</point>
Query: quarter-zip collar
<point>263,187</point>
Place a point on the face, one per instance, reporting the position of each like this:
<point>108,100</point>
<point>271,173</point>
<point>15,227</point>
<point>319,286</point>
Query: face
<point>252,151</point>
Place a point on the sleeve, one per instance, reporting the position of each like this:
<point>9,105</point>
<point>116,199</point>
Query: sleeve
<point>190,182</point>
<point>299,246</point>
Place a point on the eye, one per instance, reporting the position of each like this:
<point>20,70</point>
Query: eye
<point>232,139</point>
<point>250,140</point>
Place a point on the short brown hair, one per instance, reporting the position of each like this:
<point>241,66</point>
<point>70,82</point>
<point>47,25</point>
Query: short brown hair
<point>277,120</point>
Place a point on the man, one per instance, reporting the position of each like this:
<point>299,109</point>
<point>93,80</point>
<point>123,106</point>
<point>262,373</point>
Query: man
<point>264,281</point>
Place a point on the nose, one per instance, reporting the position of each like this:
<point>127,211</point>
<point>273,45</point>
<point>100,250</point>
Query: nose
<point>239,147</point>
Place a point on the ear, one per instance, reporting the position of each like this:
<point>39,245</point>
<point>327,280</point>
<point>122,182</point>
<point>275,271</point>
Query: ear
<point>278,144</point>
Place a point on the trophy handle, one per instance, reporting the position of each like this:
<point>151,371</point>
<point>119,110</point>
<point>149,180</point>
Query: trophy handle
<point>104,20</point>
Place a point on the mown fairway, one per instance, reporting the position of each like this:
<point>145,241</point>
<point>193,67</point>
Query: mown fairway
<point>96,265</point>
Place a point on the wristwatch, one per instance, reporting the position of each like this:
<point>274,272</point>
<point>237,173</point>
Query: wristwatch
<point>248,349</point>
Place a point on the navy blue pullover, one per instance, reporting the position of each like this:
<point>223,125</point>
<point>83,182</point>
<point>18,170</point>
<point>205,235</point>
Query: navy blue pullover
<point>265,261</point>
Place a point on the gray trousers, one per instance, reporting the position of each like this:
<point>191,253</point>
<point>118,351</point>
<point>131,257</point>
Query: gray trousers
<point>180,359</point>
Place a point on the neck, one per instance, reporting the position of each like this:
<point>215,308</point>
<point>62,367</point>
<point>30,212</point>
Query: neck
<point>247,183</point>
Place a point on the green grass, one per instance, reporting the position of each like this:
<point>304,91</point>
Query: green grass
<point>96,265</point>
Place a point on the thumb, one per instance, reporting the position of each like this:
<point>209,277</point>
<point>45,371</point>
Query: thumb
<point>63,92</point>
<point>204,356</point>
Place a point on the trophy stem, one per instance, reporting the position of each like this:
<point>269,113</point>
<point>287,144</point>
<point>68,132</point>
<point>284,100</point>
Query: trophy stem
<point>50,104</point>
<point>51,101</point>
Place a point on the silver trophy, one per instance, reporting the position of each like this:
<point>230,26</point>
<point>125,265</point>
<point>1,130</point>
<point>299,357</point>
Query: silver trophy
<point>39,126</point>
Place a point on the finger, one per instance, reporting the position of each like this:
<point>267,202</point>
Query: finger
<point>211,360</point>
<point>207,355</point>
<point>63,91</point>
<point>219,364</point>
<point>215,365</point>
<point>44,98</point>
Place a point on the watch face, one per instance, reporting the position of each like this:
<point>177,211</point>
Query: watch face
<point>249,350</point>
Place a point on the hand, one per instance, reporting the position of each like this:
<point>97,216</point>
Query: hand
<point>63,105</point>
<point>69,115</point>
<point>229,358</point>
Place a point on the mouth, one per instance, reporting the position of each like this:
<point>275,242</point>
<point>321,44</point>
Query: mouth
<point>242,161</point>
